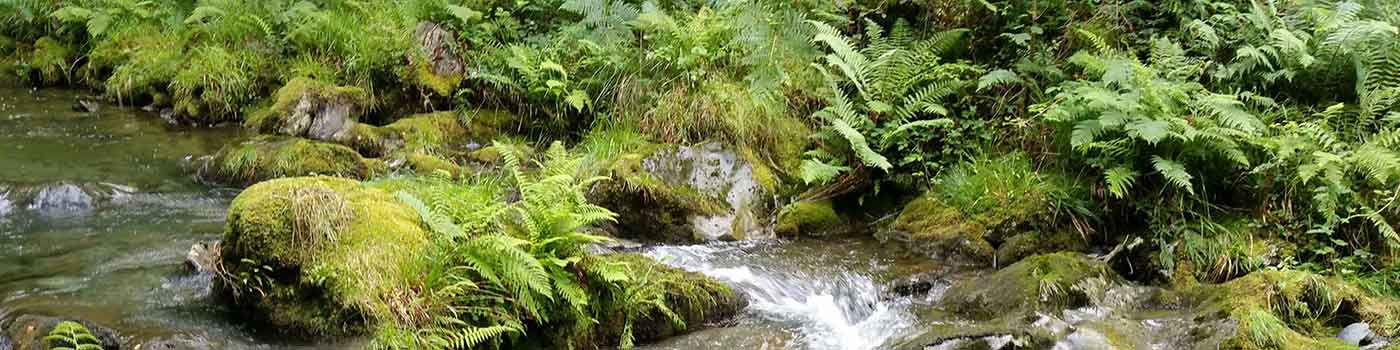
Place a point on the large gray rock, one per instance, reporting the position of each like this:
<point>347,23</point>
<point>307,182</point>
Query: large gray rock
<point>688,194</point>
<point>1354,333</point>
<point>313,109</point>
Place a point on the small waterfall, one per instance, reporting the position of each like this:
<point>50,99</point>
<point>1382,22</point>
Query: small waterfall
<point>828,307</point>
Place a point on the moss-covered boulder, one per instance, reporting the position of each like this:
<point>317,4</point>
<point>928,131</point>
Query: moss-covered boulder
<point>697,299</point>
<point>977,207</point>
<point>319,255</point>
<point>1049,282</point>
<point>311,108</point>
<point>1286,309</point>
<point>1030,243</point>
<point>265,157</point>
<point>442,133</point>
<point>669,193</point>
<point>807,218</point>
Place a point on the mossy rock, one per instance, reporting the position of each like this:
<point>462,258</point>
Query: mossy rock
<point>1286,309</point>
<point>1048,282</point>
<point>1031,243</point>
<point>976,207</point>
<point>311,108</point>
<point>696,298</point>
<point>426,164</point>
<point>265,157</point>
<point>809,218</point>
<point>440,133</point>
<point>678,194</point>
<point>943,232</point>
<point>319,255</point>
<point>1221,250</point>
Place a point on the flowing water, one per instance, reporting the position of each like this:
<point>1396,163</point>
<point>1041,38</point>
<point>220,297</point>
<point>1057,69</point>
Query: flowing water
<point>96,216</point>
<point>815,295</point>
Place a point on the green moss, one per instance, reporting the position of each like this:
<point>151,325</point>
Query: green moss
<point>1037,242</point>
<point>440,133</point>
<point>320,255</point>
<point>696,298</point>
<point>51,59</point>
<point>943,231</point>
<point>267,157</point>
<point>426,164</point>
<point>441,85</point>
<point>285,102</point>
<point>807,218</point>
<point>1288,309</point>
<point>1037,283</point>
<point>983,203</point>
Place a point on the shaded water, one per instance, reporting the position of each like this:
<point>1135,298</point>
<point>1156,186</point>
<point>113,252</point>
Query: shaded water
<point>96,216</point>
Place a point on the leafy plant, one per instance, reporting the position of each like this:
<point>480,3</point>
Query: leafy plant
<point>69,335</point>
<point>880,93</point>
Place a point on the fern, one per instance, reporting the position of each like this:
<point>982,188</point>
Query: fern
<point>69,335</point>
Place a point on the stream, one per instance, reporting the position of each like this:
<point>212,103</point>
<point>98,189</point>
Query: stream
<point>97,213</point>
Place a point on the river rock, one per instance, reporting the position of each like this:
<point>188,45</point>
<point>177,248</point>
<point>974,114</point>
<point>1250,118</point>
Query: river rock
<point>1039,283</point>
<point>202,257</point>
<point>319,253</point>
<point>86,106</point>
<point>27,332</point>
<point>264,157</point>
<point>62,198</point>
<point>1354,333</point>
<point>5,205</point>
<point>311,108</point>
<point>682,194</point>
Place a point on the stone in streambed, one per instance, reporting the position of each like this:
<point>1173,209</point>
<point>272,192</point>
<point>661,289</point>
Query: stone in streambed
<point>1038,283</point>
<point>319,255</point>
<point>313,109</point>
<point>679,194</point>
<point>808,218</point>
<point>266,157</point>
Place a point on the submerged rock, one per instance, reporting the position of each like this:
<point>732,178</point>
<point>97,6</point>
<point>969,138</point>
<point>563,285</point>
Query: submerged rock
<point>688,194</point>
<point>203,257</point>
<point>61,198</point>
<point>27,332</point>
<point>265,157</point>
<point>319,255</point>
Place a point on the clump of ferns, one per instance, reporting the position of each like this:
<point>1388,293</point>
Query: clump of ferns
<point>69,335</point>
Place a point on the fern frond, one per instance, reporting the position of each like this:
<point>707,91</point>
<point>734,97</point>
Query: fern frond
<point>1174,172</point>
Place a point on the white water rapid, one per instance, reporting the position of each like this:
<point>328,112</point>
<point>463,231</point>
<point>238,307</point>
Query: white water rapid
<point>826,306</point>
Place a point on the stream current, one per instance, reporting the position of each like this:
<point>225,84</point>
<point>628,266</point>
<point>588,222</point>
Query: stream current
<point>97,212</point>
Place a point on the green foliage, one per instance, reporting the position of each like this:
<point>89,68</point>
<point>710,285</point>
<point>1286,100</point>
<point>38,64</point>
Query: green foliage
<point>69,335</point>
<point>880,94</point>
<point>1152,118</point>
